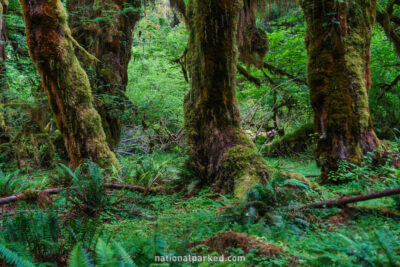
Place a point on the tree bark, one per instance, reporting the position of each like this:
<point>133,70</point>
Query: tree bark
<point>4,138</point>
<point>51,47</point>
<point>338,41</point>
<point>104,28</point>
<point>220,152</point>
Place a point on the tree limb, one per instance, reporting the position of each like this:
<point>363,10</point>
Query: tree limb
<point>33,195</point>
<point>248,76</point>
<point>347,200</point>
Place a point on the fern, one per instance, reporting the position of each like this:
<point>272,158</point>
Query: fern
<point>391,255</point>
<point>11,257</point>
<point>78,257</point>
<point>104,253</point>
<point>124,255</point>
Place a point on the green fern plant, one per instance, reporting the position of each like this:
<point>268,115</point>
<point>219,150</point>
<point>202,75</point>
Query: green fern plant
<point>40,234</point>
<point>10,183</point>
<point>150,172</point>
<point>105,255</point>
<point>10,257</point>
<point>89,195</point>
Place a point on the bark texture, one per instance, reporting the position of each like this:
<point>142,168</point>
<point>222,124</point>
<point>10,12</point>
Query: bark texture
<point>104,28</point>
<point>51,47</point>
<point>3,57</point>
<point>338,41</point>
<point>221,154</point>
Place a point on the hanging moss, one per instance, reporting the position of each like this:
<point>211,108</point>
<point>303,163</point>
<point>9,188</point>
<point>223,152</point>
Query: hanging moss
<point>67,85</point>
<point>338,41</point>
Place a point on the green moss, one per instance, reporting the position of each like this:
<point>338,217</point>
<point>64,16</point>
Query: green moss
<point>338,43</point>
<point>297,141</point>
<point>246,168</point>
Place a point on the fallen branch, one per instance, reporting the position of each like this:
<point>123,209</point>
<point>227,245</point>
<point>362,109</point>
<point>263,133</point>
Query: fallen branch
<point>32,195</point>
<point>347,200</point>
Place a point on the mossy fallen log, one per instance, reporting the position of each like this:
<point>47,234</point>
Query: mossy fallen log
<point>34,195</point>
<point>297,141</point>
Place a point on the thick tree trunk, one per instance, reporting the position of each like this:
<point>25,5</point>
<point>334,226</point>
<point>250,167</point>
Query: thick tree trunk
<point>104,28</point>
<point>338,41</point>
<point>4,138</point>
<point>51,48</point>
<point>221,154</point>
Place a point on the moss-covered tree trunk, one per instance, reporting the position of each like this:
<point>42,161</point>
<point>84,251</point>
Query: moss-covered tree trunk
<point>338,41</point>
<point>221,154</point>
<point>3,83</point>
<point>51,48</point>
<point>104,28</point>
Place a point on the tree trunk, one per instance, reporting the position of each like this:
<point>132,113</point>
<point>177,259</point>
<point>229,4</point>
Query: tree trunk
<point>220,152</point>
<point>51,48</point>
<point>338,41</point>
<point>4,138</point>
<point>104,29</point>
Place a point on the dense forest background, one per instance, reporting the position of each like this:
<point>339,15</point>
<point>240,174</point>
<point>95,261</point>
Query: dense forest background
<point>135,129</point>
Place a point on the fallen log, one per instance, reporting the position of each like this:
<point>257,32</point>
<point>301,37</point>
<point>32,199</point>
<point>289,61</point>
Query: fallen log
<point>34,194</point>
<point>352,199</point>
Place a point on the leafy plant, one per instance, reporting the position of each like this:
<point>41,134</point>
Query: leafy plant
<point>13,258</point>
<point>10,183</point>
<point>105,255</point>
<point>89,194</point>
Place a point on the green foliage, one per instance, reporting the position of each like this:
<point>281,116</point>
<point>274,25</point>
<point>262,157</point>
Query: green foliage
<point>89,195</point>
<point>39,234</point>
<point>11,257</point>
<point>10,183</point>
<point>156,84</point>
<point>78,257</point>
<point>106,255</point>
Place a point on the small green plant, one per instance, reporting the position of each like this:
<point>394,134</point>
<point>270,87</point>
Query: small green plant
<point>89,193</point>
<point>105,255</point>
<point>10,183</point>
<point>10,257</point>
<point>150,171</point>
<point>39,234</point>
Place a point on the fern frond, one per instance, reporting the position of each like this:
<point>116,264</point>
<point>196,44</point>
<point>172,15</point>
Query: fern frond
<point>11,257</point>
<point>78,257</point>
<point>126,259</point>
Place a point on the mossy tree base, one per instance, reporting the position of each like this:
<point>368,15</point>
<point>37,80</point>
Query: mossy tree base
<point>52,50</point>
<point>219,151</point>
<point>338,41</point>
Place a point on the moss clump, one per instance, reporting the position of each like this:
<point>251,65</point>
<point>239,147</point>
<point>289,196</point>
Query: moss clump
<point>246,168</point>
<point>29,195</point>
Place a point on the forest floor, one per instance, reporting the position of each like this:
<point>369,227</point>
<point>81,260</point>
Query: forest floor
<point>173,223</point>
